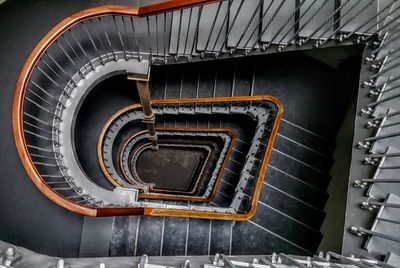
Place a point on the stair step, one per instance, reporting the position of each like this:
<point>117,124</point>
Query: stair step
<point>149,236</point>
<point>252,239</point>
<point>174,236</point>
<point>123,237</point>
<point>305,192</point>
<point>292,207</point>
<point>221,232</point>
<point>183,31</point>
<point>275,18</point>
<point>381,190</point>
<point>209,36</point>
<point>158,82</point>
<point>310,22</point>
<point>299,170</point>
<point>305,137</point>
<point>358,19</point>
<point>286,227</point>
<point>199,236</point>
<point>302,152</point>
<point>243,20</point>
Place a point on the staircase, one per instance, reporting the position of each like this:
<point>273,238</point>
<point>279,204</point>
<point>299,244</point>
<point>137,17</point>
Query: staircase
<point>218,85</point>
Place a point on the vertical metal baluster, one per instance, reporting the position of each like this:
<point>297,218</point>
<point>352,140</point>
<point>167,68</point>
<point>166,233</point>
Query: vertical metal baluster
<point>215,83</point>
<point>213,25</point>
<point>150,43</point>
<point>166,87</point>
<point>187,231</point>
<point>136,40</point>
<point>188,29</point>
<point>269,23</point>
<point>108,39</point>
<point>233,80</point>
<point>198,83</point>
<point>253,78</point>
<point>181,87</point>
<point>120,37</point>
<point>224,43</point>
<point>209,238</point>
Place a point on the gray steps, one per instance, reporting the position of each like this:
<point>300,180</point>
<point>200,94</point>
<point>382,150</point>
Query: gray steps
<point>384,225</point>
<point>357,15</point>
<point>295,187</point>
<point>299,169</point>
<point>243,23</point>
<point>318,21</point>
<point>291,206</point>
<point>212,29</point>
<point>278,21</point>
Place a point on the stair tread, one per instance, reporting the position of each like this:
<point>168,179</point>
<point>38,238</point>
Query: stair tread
<point>287,228</point>
<point>291,207</point>
<point>174,236</point>
<point>299,170</point>
<point>302,152</point>
<point>306,193</point>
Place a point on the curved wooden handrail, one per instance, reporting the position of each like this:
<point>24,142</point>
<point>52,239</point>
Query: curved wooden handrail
<point>260,178</point>
<point>17,114</point>
<point>154,195</point>
<point>30,63</point>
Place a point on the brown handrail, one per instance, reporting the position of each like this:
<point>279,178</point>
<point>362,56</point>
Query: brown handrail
<point>154,195</point>
<point>17,114</point>
<point>33,58</point>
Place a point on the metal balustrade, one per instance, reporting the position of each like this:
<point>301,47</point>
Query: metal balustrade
<point>98,43</point>
<point>380,147</point>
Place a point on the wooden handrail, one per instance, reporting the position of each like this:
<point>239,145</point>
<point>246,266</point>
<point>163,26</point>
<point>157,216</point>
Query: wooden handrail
<point>18,105</point>
<point>154,195</point>
<point>33,58</point>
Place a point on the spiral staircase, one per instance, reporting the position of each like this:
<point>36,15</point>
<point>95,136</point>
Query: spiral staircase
<point>204,129</point>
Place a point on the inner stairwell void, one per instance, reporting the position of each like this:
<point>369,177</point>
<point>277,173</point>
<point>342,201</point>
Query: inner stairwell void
<point>210,128</point>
